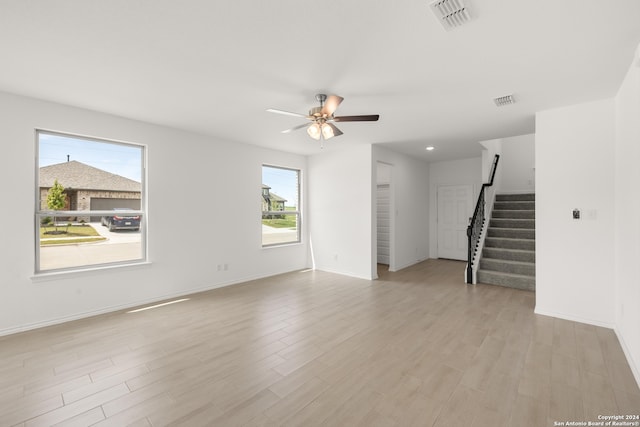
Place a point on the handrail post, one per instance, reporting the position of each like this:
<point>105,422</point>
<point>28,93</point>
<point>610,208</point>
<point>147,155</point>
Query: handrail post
<point>469,255</point>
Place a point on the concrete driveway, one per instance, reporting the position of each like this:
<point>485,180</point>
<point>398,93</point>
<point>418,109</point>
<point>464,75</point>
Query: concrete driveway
<point>273,235</point>
<point>123,245</point>
<point>119,236</point>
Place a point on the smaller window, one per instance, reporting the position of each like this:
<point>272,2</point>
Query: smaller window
<point>280,206</point>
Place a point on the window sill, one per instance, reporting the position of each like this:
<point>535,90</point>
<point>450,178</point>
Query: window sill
<point>282,245</point>
<point>66,274</point>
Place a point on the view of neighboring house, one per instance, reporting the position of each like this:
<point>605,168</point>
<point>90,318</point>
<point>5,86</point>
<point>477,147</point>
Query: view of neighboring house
<point>89,188</point>
<point>271,201</point>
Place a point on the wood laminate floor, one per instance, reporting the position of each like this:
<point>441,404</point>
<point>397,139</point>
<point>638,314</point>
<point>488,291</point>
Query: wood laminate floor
<point>416,347</point>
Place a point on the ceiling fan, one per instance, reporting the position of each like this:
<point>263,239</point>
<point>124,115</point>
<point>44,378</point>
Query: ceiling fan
<point>322,118</point>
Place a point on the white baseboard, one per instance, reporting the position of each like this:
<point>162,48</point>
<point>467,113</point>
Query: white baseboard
<point>573,318</point>
<point>627,354</point>
<point>407,265</point>
<point>346,273</point>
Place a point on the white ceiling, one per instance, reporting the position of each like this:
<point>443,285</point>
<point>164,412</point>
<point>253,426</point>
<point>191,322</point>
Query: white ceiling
<point>214,67</point>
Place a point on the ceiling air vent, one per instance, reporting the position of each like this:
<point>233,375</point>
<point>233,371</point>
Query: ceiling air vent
<point>451,13</point>
<point>501,101</point>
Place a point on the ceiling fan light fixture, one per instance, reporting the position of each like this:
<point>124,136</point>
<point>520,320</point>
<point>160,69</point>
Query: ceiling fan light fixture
<point>327,131</point>
<point>322,118</point>
<point>314,131</point>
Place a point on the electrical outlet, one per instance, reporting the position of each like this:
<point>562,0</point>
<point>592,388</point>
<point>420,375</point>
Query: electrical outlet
<point>576,214</point>
<point>226,267</point>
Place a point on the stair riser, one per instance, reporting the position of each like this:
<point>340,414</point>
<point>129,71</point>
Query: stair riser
<point>497,265</point>
<point>525,283</point>
<point>513,223</point>
<point>517,214</point>
<point>516,197</point>
<point>524,244</point>
<point>509,255</point>
<point>512,233</point>
<point>514,206</point>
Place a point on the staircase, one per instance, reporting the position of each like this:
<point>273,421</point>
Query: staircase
<point>508,257</point>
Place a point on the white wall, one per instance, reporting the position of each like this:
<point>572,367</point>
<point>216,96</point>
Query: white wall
<point>575,169</point>
<point>410,219</point>
<point>517,165</point>
<point>223,179</point>
<point>491,148</point>
<point>455,172</point>
<point>627,227</point>
<point>341,229</point>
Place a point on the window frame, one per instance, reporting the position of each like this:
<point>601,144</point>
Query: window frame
<point>297,212</point>
<point>40,212</point>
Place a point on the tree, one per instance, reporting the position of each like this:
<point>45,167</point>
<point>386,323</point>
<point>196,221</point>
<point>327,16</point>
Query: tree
<point>56,199</point>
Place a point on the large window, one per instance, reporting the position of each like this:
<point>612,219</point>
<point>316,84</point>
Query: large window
<point>90,203</point>
<point>280,205</point>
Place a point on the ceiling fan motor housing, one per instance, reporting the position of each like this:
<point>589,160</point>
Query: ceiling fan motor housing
<point>316,112</point>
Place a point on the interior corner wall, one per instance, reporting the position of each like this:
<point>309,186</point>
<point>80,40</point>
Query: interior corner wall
<point>627,227</point>
<point>340,210</point>
<point>191,201</point>
<point>410,219</point>
<point>517,165</point>
<point>454,172</point>
<point>491,148</point>
<point>575,170</point>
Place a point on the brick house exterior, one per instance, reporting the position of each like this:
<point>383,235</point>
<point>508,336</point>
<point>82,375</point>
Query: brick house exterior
<point>89,188</point>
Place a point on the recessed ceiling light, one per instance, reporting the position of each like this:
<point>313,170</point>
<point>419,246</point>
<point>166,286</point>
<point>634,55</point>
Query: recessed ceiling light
<point>430,148</point>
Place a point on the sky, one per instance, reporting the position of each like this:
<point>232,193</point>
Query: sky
<point>121,159</point>
<point>283,182</point>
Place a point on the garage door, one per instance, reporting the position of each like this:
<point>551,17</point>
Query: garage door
<point>98,204</point>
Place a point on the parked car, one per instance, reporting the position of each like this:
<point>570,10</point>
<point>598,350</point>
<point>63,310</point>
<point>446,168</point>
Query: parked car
<point>120,221</point>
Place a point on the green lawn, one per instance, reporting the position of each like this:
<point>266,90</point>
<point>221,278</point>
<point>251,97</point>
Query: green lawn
<point>73,234</point>
<point>289,221</point>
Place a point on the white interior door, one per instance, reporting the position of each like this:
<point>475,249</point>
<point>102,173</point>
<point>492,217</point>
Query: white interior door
<point>455,206</point>
<point>384,223</point>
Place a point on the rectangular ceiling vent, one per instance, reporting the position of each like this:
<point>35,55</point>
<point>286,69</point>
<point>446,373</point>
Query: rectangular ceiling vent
<point>451,13</point>
<point>501,101</point>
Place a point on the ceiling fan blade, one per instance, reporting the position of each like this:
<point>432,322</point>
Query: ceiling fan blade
<point>366,118</point>
<point>331,104</point>
<point>288,113</point>
<point>295,128</point>
<point>336,131</point>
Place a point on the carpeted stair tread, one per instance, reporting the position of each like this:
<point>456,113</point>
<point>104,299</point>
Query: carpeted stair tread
<point>508,266</point>
<point>516,281</point>
<point>514,213</point>
<point>518,233</point>
<point>512,223</point>
<point>510,243</point>
<point>516,197</point>
<point>512,205</point>
<point>522,255</point>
